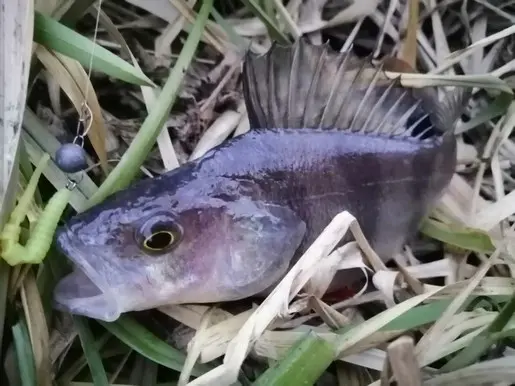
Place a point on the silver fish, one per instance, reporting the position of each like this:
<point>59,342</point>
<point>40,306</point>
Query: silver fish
<point>329,132</point>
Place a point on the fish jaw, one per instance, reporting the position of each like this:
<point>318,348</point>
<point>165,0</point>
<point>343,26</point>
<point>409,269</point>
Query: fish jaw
<point>76,293</point>
<point>84,291</point>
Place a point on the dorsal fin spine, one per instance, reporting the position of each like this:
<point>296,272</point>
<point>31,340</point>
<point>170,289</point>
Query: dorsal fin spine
<point>377,105</point>
<point>292,82</point>
<point>382,123</point>
<point>313,86</point>
<point>316,87</point>
<point>334,88</point>
<point>254,108</point>
<point>410,129</point>
<point>342,118</point>
<point>272,107</point>
<point>403,120</point>
<point>370,88</point>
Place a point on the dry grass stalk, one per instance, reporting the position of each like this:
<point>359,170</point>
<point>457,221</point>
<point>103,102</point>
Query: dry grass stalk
<point>403,362</point>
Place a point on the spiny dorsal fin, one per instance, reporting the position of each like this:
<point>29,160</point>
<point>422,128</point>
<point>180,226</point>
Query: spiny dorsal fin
<point>313,86</point>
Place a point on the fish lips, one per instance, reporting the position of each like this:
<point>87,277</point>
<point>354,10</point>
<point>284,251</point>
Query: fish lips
<point>84,291</point>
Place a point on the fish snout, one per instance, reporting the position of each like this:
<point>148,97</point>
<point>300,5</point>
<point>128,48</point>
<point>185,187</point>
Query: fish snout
<point>91,288</point>
<point>77,294</point>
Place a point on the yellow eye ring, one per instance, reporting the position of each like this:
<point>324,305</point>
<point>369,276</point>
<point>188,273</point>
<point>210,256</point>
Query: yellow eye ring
<point>159,240</point>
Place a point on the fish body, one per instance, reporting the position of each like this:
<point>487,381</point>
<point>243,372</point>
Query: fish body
<point>328,133</point>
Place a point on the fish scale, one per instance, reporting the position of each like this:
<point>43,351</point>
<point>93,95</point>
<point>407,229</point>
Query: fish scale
<point>229,224</point>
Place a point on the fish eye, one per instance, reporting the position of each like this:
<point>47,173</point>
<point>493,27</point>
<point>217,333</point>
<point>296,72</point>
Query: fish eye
<point>159,240</point>
<point>158,234</point>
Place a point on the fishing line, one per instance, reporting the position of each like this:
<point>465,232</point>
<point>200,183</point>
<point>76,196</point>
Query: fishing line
<point>71,159</point>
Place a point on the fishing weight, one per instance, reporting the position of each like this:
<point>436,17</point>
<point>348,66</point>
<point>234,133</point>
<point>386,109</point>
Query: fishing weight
<point>71,158</point>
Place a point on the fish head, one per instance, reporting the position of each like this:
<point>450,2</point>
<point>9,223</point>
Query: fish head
<point>147,247</point>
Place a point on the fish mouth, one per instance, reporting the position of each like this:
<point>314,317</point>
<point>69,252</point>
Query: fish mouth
<point>83,291</point>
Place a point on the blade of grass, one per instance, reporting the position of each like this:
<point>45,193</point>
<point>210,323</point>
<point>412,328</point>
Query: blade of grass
<point>459,302</point>
<point>498,371</point>
<point>274,31</point>
<point>147,344</point>
<point>24,354</point>
<point>75,12</point>
<point>45,286</point>
<point>208,35</point>
<point>37,328</point>
<point>286,18</point>
<point>409,50</point>
<point>303,363</point>
<point>89,347</point>
<point>164,142</point>
<point>486,81</point>
<point>359,332</point>
<point>98,131</point>
<point>458,236</point>
<point>26,170</point>
<point>458,55</point>
<point>120,365</point>
<point>415,317</point>
<point>74,81</point>
<point>483,341</point>
<point>236,39</point>
<point>73,369</point>
<point>54,35</point>
<point>121,176</point>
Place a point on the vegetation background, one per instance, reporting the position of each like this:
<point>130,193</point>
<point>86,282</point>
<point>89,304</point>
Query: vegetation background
<point>162,80</point>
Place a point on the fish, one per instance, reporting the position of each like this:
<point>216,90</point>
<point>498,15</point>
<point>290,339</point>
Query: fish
<point>328,132</point>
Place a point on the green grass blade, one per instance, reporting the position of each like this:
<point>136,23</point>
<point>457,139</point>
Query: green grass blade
<point>56,36</point>
<point>457,236</point>
<point>74,368</point>
<point>418,316</point>
<point>414,318</point>
<point>147,344</point>
<point>302,364</point>
<point>90,352</point>
<point>483,341</point>
<point>128,167</point>
<point>24,355</point>
<point>423,314</point>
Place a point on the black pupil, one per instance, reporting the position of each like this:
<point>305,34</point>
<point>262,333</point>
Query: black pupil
<point>159,240</point>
